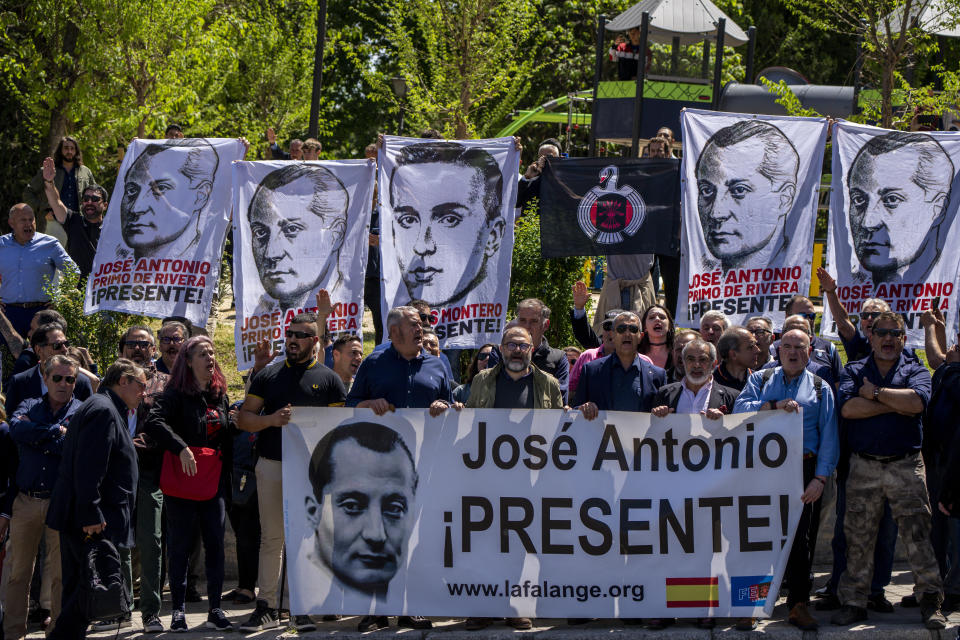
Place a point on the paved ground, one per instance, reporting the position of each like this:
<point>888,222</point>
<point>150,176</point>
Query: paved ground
<point>903,623</point>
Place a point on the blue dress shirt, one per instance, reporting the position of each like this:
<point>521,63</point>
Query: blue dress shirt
<point>404,383</point>
<point>820,435</point>
<point>24,267</point>
<point>887,434</point>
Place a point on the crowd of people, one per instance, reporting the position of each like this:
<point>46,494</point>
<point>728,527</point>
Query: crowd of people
<point>153,455</point>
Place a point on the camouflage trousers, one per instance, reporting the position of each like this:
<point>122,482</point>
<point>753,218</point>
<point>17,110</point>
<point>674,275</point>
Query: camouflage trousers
<point>904,485</point>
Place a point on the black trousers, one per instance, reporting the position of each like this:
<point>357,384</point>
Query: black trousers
<point>182,517</point>
<point>71,623</point>
<point>245,520</point>
<point>371,298</point>
<point>797,576</point>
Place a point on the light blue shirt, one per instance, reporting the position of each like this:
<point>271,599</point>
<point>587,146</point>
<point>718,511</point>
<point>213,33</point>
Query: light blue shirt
<point>819,422</point>
<point>24,267</point>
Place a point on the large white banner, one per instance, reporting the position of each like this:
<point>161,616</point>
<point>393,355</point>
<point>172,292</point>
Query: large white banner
<point>539,513</point>
<point>749,212</point>
<point>446,232</point>
<point>298,227</point>
<point>159,252</point>
<point>892,222</point>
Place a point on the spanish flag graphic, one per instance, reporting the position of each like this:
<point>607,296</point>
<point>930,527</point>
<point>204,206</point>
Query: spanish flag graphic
<point>692,592</point>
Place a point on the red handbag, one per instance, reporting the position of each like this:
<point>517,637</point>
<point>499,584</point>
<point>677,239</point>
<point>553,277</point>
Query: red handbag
<point>203,486</point>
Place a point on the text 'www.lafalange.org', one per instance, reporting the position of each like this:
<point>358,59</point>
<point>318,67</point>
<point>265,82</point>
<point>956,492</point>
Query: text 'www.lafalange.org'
<point>528,589</point>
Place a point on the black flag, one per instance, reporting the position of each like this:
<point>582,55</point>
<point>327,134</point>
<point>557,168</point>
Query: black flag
<point>606,206</point>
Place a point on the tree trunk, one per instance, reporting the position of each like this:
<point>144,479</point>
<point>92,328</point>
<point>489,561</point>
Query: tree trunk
<point>886,94</point>
<point>57,129</point>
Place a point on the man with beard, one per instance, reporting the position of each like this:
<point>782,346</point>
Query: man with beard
<point>71,179</point>
<point>515,383</point>
<point>788,388</point>
<point>298,380</point>
<point>695,393</point>
<point>82,227</point>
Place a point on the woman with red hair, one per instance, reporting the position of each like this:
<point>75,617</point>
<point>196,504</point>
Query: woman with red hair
<point>190,423</point>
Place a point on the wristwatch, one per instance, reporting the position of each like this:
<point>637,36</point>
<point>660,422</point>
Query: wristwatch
<point>876,394</point>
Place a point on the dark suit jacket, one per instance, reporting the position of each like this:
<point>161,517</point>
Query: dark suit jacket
<point>98,472</point>
<point>583,332</point>
<point>27,385</point>
<point>720,396</point>
<point>596,382</point>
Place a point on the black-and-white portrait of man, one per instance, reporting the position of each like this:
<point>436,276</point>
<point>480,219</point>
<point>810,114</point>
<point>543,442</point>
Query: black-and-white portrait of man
<point>364,484</point>
<point>746,184</point>
<point>166,190</point>
<point>899,190</point>
<point>430,224</point>
<point>298,222</point>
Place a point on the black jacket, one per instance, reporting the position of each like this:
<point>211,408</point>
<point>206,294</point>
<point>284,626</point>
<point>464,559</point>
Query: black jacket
<point>177,421</point>
<point>583,332</point>
<point>98,472</point>
<point>720,396</point>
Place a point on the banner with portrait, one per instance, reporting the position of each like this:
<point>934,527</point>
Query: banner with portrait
<point>539,514</point>
<point>750,188</point>
<point>446,232</point>
<point>608,206</point>
<point>163,234</point>
<point>298,227</point>
<point>893,232</point>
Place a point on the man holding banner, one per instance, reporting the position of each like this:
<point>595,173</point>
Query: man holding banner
<point>790,387</point>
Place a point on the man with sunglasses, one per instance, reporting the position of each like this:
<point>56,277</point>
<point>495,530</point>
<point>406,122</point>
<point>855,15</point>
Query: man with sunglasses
<point>855,338</point>
<point>762,329</point>
<point>402,376</point>
<point>300,380</point>
<point>620,381</point>
<point>38,428</point>
<point>137,345</point>
<point>882,398</point>
<point>171,336</point>
<point>47,341</point>
<point>604,349</point>
<point>82,226</point>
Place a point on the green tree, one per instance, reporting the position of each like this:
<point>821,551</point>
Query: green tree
<point>549,279</point>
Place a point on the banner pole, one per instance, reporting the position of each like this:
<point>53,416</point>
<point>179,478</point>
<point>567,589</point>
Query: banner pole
<point>718,64</point>
<point>641,75</point>
<point>318,67</point>
<point>598,70</point>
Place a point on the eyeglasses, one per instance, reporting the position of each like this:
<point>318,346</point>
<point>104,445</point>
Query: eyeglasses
<point>170,340</point>
<point>426,319</point>
<point>883,333</point>
<point>632,328</point>
<point>522,347</point>
<point>140,383</point>
<point>483,356</point>
<point>809,316</point>
<point>137,344</point>
<point>607,325</point>
<point>92,198</point>
<point>70,379</point>
<point>869,315</point>
<point>300,335</point>
<point>57,346</point>
<point>759,332</point>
